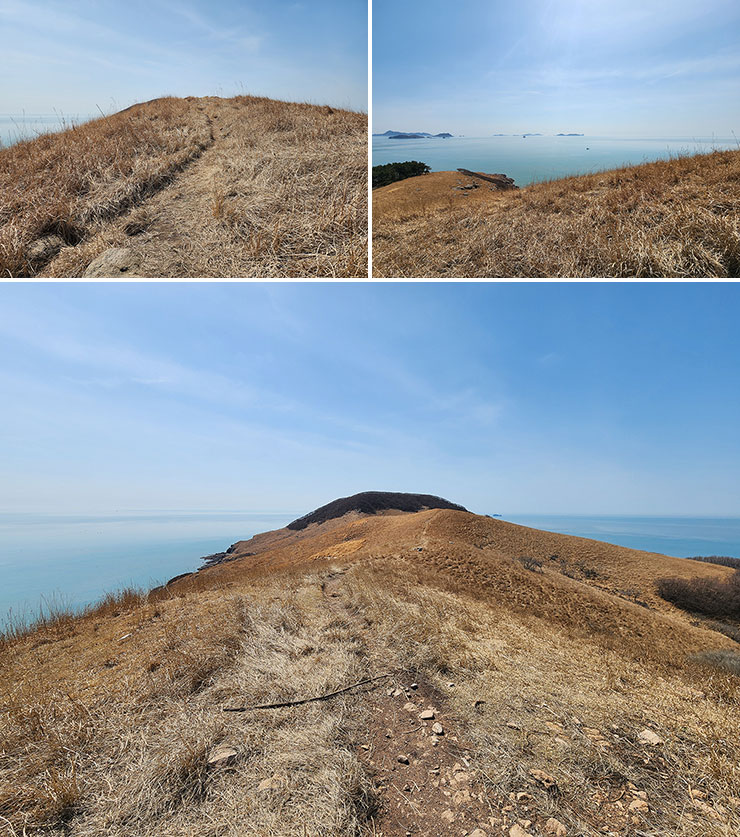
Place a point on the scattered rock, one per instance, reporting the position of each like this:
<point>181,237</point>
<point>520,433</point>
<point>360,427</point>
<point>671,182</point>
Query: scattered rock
<point>222,755</point>
<point>545,779</point>
<point>410,707</point>
<point>44,249</point>
<point>518,831</point>
<point>478,832</point>
<point>396,693</point>
<point>438,729</point>
<point>426,715</point>
<point>448,815</point>
<point>273,783</point>
<point>553,826</point>
<point>706,809</point>
<point>523,796</point>
<point>649,737</point>
<point>114,262</point>
<point>512,725</point>
<point>403,759</point>
<point>414,686</point>
<point>638,805</point>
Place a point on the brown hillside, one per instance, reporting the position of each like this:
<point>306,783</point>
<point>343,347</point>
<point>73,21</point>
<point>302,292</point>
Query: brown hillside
<point>674,218</point>
<point>548,684</point>
<point>187,188</point>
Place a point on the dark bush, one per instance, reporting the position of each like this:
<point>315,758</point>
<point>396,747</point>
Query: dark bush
<point>719,598</point>
<point>391,172</point>
<point>530,563</point>
<point>722,560</point>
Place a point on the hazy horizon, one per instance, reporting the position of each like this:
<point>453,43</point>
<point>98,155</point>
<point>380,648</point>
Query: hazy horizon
<point>633,69</point>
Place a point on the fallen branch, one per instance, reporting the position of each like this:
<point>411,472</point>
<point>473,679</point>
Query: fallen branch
<point>304,700</point>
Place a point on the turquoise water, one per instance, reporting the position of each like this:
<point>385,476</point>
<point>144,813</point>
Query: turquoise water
<point>678,536</point>
<point>539,158</point>
<point>16,127</point>
<point>75,559</point>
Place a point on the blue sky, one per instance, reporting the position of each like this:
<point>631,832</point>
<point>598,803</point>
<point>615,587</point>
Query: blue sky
<point>74,56</point>
<point>646,68</point>
<point>507,398</point>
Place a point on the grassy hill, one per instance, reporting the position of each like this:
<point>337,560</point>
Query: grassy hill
<point>672,218</point>
<point>567,696</point>
<point>190,187</point>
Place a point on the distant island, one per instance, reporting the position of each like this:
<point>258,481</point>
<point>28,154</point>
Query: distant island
<point>412,135</point>
<point>569,135</point>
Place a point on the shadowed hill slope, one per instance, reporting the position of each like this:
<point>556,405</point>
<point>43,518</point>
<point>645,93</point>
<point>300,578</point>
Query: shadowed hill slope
<point>462,673</point>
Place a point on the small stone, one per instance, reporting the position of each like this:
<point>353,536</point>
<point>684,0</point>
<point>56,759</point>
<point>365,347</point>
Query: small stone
<point>117,261</point>
<point>544,779</point>
<point>450,685</point>
<point>638,805</point>
<point>222,755</point>
<point>518,831</point>
<point>426,715</point>
<point>390,692</point>
<point>273,783</point>
<point>365,746</point>
<point>448,815</point>
<point>438,729</point>
<point>410,707</point>
<point>478,832</point>
<point>396,693</point>
<point>414,686</point>
<point>403,759</point>
<point>523,796</point>
<point>649,737</point>
<point>407,788</point>
<point>553,826</point>
<point>512,725</point>
<point>44,249</point>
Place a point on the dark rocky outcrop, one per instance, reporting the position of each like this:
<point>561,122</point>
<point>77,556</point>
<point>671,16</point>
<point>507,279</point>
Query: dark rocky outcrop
<point>372,502</point>
<point>501,181</point>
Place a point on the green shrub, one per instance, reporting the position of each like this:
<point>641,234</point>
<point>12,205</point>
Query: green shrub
<point>391,172</point>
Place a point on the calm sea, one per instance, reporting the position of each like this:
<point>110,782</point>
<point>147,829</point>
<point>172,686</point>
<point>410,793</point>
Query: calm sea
<point>75,559</point>
<point>678,536</point>
<point>17,127</point>
<point>539,158</point>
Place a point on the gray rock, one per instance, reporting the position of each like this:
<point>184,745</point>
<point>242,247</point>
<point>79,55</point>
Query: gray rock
<point>44,249</point>
<point>118,261</point>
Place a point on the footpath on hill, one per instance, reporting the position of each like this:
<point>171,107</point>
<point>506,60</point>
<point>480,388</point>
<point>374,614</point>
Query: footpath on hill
<point>280,191</point>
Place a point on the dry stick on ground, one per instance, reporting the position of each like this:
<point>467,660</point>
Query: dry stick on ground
<point>304,700</point>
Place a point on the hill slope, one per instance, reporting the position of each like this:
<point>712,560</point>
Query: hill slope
<point>190,187</point>
<point>678,217</point>
<point>570,698</point>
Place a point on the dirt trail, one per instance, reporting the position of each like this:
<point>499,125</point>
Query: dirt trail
<point>280,191</point>
<point>418,765</point>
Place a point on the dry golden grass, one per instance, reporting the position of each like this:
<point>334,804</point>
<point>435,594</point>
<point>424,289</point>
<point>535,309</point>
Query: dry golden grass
<point>673,218</point>
<point>107,720</point>
<point>103,735</point>
<point>66,184</point>
<point>535,695</point>
<point>192,187</point>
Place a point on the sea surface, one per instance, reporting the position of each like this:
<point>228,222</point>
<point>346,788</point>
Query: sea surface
<point>535,159</point>
<point>23,126</point>
<point>73,560</point>
<point>681,537</point>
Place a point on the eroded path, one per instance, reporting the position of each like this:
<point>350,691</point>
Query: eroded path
<point>415,753</point>
<point>281,191</point>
